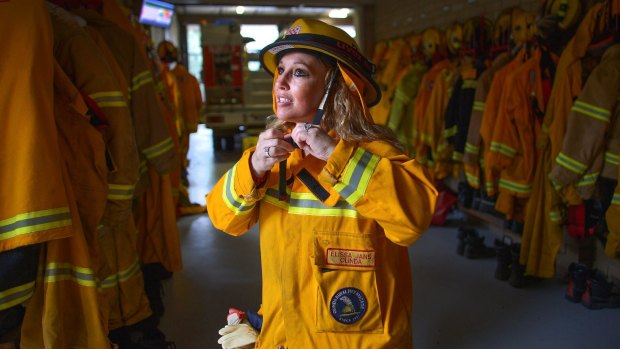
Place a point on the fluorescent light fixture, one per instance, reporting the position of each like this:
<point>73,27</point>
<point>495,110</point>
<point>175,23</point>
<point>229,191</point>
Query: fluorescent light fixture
<point>339,13</point>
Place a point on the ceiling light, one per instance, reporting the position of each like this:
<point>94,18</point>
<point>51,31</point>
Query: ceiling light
<point>240,10</point>
<point>339,13</point>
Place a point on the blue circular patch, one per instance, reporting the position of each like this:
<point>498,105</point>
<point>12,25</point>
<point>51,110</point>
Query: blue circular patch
<point>348,305</point>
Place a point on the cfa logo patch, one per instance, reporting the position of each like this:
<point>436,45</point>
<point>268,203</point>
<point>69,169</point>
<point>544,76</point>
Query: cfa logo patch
<point>348,305</point>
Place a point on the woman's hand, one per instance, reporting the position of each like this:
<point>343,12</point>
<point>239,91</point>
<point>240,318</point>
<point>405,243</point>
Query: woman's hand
<point>272,147</point>
<point>313,140</point>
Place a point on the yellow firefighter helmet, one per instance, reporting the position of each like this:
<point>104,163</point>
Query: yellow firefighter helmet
<point>566,12</point>
<point>454,37</point>
<point>502,28</point>
<point>317,36</point>
<point>167,52</point>
<point>431,42</point>
<point>523,26</point>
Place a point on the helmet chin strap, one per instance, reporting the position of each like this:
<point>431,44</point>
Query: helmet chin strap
<point>319,113</point>
<point>304,175</point>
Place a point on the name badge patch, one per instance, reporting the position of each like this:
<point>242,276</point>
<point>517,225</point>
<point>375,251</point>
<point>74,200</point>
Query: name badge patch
<point>350,258</point>
<point>348,305</point>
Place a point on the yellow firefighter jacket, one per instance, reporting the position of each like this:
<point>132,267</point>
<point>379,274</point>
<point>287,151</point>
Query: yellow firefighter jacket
<point>592,142</point>
<point>400,119</point>
<point>489,117</point>
<point>542,231</point>
<point>335,274</point>
<point>421,104</point>
<point>69,267</point>
<point>472,155</point>
<point>432,142</point>
<point>513,145</point>
<point>396,62</point>
<point>152,138</point>
<point>79,57</point>
<point>34,207</point>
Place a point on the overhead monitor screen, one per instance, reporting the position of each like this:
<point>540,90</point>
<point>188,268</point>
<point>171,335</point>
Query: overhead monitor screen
<point>157,13</point>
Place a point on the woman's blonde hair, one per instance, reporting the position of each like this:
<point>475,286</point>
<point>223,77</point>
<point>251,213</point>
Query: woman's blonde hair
<point>344,115</point>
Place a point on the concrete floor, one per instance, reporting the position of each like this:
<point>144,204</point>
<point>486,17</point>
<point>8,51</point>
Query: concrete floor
<point>458,304</point>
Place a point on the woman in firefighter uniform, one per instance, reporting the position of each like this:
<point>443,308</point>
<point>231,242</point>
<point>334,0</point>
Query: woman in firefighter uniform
<point>336,213</point>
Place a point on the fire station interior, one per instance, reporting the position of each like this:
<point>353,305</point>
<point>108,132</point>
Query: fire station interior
<point>524,246</point>
<point>460,301</point>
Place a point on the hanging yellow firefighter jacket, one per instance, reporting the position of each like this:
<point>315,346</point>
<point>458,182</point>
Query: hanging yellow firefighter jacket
<point>152,138</point>
<point>397,60</point>
<point>34,205</point>
<point>400,119</point>
<point>335,274</point>
<point>79,58</point>
<point>421,104</point>
<point>543,228</point>
<point>68,273</point>
<point>458,112</point>
<point>513,145</point>
<point>592,143</point>
<point>472,156</point>
<point>490,116</point>
<point>432,142</point>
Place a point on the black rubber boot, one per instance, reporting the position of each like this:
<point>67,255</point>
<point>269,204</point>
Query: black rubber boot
<point>600,293</point>
<point>518,279</point>
<point>142,335</point>
<point>578,274</point>
<point>462,235</point>
<point>10,325</point>
<point>504,259</point>
<point>466,195</point>
<point>153,274</point>
<point>475,247</point>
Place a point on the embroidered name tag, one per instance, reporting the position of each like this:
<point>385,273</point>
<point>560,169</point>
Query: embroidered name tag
<point>350,258</point>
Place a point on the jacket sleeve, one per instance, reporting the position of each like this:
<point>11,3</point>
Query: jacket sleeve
<point>232,204</point>
<point>152,136</point>
<point>588,121</point>
<point>391,188</point>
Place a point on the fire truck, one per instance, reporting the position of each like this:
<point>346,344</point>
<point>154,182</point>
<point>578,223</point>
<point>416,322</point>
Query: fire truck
<point>237,100</point>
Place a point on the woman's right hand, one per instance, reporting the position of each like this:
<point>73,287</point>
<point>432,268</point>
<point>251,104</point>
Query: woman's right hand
<point>272,147</point>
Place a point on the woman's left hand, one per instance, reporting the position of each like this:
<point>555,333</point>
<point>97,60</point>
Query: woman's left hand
<point>313,140</point>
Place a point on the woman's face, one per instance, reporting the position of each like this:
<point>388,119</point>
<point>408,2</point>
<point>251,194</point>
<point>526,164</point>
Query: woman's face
<point>299,87</point>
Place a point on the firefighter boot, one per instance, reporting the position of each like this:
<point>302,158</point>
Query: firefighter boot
<point>153,274</point>
<point>10,326</point>
<point>578,274</point>
<point>466,195</point>
<point>600,293</point>
<point>504,259</point>
<point>475,247</point>
<point>518,279</point>
<point>462,235</point>
<point>142,335</point>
